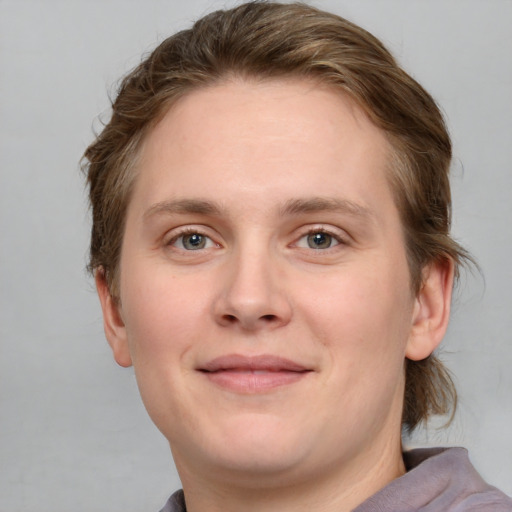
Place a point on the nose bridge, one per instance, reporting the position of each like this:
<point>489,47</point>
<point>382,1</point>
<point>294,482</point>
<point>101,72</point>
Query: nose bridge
<point>253,293</point>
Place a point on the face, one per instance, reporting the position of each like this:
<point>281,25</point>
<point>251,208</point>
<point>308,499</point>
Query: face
<point>265,299</point>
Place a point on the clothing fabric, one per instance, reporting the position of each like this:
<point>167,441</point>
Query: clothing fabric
<point>437,480</point>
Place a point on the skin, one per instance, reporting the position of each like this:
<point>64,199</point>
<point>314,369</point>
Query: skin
<point>299,254</point>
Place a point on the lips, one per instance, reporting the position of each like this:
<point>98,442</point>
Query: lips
<point>253,374</point>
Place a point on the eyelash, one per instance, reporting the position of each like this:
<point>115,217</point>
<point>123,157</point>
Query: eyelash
<point>322,230</point>
<point>312,231</point>
<point>188,231</point>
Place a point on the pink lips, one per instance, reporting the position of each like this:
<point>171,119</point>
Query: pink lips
<point>253,374</point>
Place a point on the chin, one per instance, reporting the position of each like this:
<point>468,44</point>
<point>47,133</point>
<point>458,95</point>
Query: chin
<point>255,447</point>
<point>266,467</point>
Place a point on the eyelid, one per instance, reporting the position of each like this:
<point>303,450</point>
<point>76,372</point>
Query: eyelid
<point>176,233</point>
<point>336,233</point>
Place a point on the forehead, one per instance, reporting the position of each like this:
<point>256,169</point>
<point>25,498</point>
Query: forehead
<point>275,139</point>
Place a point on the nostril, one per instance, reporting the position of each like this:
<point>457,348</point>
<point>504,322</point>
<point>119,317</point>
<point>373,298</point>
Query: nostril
<point>230,318</point>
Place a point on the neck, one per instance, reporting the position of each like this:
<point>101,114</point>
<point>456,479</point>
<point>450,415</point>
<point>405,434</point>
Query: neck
<point>335,489</point>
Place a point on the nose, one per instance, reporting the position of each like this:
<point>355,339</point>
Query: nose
<point>253,294</point>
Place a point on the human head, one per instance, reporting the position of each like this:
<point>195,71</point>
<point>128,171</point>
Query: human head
<point>268,40</point>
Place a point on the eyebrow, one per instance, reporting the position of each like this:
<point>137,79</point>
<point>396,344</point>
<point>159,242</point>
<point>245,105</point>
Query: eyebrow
<point>291,207</point>
<point>198,206</point>
<point>318,204</point>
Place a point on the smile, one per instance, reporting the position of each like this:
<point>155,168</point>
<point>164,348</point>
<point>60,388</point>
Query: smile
<point>254,374</point>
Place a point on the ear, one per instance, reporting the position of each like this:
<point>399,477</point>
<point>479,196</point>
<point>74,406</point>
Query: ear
<point>115,330</point>
<point>431,310</point>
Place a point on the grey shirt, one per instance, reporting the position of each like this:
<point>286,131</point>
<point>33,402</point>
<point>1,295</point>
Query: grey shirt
<point>437,480</point>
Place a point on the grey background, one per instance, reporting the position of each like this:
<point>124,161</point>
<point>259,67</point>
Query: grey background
<point>73,433</point>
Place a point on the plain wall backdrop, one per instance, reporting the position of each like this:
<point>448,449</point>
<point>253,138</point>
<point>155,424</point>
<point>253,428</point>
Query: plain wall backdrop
<point>73,432</point>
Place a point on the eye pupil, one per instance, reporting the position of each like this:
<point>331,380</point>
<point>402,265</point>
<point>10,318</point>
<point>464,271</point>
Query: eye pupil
<point>319,241</point>
<point>194,241</point>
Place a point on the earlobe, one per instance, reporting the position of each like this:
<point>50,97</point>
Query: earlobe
<point>115,330</point>
<point>431,310</point>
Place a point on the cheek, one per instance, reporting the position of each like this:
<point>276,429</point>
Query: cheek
<point>162,314</point>
<point>361,324</point>
<point>163,325</point>
<point>363,318</point>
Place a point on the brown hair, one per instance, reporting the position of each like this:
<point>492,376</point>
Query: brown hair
<point>263,40</point>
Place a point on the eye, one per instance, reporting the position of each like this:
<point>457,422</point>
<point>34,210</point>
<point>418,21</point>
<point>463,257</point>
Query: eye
<point>318,240</point>
<point>192,241</point>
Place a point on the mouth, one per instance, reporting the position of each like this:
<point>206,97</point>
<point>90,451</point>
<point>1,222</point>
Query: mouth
<point>253,374</point>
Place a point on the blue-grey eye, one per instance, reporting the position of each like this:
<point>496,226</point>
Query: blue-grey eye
<point>194,241</point>
<point>319,240</point>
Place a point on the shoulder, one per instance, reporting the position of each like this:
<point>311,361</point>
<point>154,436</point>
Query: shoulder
<point>438,479</point>
<point>176,503</point>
